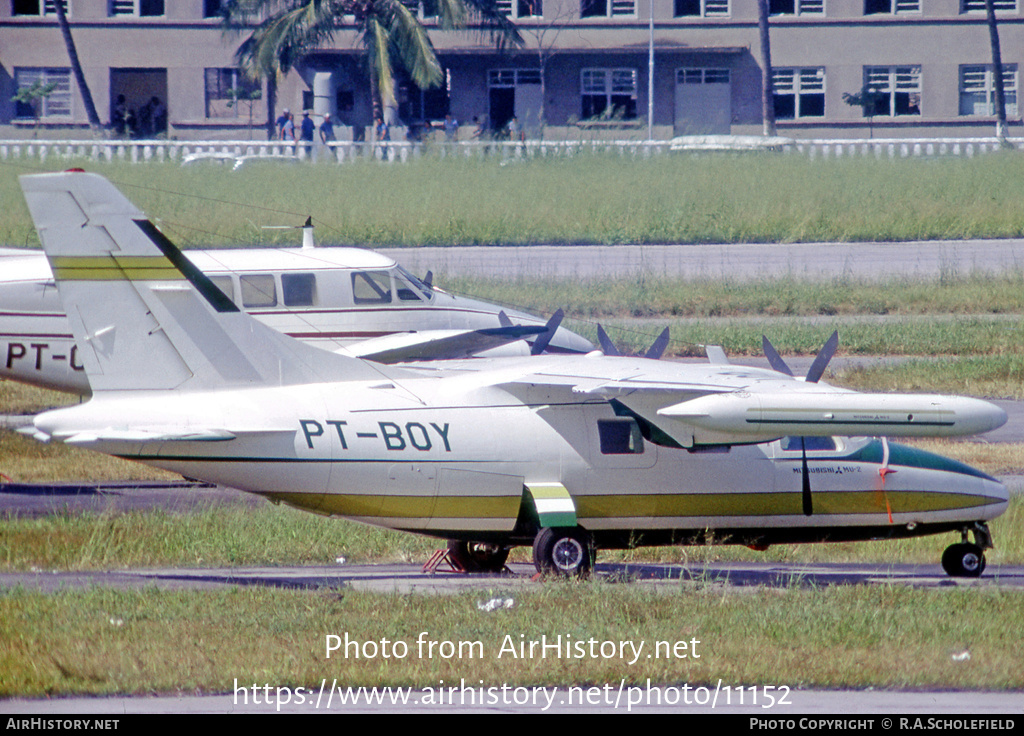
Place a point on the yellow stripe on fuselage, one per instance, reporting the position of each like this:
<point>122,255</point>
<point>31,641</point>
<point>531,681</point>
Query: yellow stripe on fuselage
<point>115,268</point>
<point>650,505</point>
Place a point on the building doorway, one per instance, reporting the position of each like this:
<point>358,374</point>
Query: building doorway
<point>138,102</point>
<point>703,101</point>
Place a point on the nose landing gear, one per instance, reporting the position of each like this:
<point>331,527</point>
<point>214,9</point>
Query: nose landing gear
<point>966,560</point>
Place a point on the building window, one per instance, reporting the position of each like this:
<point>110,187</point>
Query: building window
<point>54,88</point>
<point>228,92</point>
<point>877,7</point>
<point>796,7</point>
<point>521,8</point>
<point>894,91</point>
<point>608,93</point>
<point>978,89</point>
<point>799,93</point>
<point>972,6</point>
<point>698,75</point>
<point>32,7</point>
<point>607,8</point>
<point>211,8</point>
<point>701,8</point>
<point>136,8</point>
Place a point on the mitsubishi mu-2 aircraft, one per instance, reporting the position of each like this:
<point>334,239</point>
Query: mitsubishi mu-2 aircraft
<point>334,298</point>
<point>567,453</point>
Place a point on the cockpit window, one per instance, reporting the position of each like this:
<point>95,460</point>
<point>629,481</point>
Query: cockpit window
<point>425,292</point>
<point>371,287</point>
<point>406,292</point>
<point>812,444</point>
<point>258,290</point>
<point>298,289</point>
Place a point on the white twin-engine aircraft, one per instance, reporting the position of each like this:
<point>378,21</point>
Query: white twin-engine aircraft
<point>351,299</point>
<point>562,452</point>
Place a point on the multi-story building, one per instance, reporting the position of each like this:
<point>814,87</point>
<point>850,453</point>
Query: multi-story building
<point>841,68</point>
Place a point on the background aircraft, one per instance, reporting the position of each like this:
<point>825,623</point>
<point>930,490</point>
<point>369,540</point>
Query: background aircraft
<point>561,452</point>
<point>335,298</point>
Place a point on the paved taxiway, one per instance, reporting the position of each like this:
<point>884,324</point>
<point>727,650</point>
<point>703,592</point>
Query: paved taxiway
<point>743,262</point>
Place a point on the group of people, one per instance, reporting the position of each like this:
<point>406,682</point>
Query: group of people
<point>306,131</point>
<point>148,121</point>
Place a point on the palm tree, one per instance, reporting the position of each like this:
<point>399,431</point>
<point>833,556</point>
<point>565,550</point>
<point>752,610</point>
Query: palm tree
<point>997,74</point>
<point>767,75</point>
<point>390,33</point>
<point>76,66</point>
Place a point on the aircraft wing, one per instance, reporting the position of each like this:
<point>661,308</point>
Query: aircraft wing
<point>702,404</point>
<point>439,344</point>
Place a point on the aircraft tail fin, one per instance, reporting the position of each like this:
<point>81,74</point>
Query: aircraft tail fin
<point>143,315</point>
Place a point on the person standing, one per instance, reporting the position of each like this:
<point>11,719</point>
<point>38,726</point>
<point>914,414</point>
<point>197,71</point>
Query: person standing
<point>327,129</point>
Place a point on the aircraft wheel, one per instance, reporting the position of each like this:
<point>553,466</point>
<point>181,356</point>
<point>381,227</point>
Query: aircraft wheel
<point>478,556</point>
<point>563,551</point>
<point>963,560</point>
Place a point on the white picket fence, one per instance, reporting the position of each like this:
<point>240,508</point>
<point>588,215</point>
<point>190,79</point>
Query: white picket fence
<point>238,153</point>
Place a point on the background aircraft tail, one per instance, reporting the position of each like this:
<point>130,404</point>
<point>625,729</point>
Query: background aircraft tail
<point>143,316</point>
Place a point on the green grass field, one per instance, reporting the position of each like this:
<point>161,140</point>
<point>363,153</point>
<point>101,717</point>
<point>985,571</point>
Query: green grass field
<point>585,199</point>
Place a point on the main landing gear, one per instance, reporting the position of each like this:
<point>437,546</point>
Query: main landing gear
<point>565,551</point>
<point>478,556</point>
<point>966,560</point>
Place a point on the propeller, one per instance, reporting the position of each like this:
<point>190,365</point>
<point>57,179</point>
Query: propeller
<point>654,352</point>
<point>814,374</point>
<point>428,280</point>
<point>541,343</point>
<point>544,338</point>
<point>817,369</point>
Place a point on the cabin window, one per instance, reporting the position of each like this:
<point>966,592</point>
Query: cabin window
<point>813,444</point>
<point>371,287</point>
<point>224,284</point>
<point>258,290</point>
<point>298,289</point>
<point>620,437</point>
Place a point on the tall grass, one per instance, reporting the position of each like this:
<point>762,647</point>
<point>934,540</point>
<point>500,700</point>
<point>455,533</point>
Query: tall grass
<point>586,199</point>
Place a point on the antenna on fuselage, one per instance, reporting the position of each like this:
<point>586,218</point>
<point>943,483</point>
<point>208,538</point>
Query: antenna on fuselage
<point>307,234</point>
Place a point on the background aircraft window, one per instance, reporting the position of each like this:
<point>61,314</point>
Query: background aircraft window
<point>406,293</point>
<point>426,291</point>
<point>258,290</point>
<point>298,289</point>
<point>792,444</point>
<point>224,284</point>
<point>371,287</point>
<point>620,437</point>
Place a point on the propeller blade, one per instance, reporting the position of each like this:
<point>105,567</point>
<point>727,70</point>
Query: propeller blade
<point>806,478</point>
<point>817,368</point>
<point>541,343</point>
<point>607,346</point>
<point>428,280</point>
<point>774,359</point>
<point>657,348</point>
<point>503,319</point>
